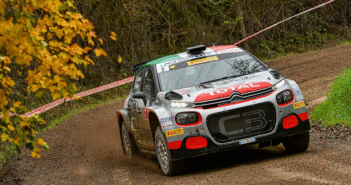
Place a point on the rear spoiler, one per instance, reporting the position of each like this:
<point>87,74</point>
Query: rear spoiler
<point>138,66</point>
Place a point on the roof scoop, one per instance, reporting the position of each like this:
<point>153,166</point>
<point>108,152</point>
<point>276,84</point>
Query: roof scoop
<point>196,49</point>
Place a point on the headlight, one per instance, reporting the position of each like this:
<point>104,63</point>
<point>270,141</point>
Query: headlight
<point>181,105</point>
<point>188,118</point>
<point>279,85</point>
<point>285,97</point>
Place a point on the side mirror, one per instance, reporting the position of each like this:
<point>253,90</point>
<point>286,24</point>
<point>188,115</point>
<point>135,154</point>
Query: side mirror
<point>140,95</point>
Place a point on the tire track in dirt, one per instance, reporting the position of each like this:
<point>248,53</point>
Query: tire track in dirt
<point>86,149</point>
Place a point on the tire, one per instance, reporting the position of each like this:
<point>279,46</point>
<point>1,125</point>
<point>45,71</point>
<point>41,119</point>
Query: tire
<point>297,143</point>
<point>167,166</point>
<point>129,147</point>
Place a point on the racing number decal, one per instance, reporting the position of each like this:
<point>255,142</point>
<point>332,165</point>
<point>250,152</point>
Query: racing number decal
<point>259,122</point>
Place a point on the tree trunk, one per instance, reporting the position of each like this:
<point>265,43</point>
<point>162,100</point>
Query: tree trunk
<point>239,13</point>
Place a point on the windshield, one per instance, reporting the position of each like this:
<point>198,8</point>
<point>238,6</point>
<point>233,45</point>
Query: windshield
<point>211,68</point>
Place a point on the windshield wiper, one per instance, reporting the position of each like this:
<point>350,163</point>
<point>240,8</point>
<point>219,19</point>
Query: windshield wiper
<point>221,79</point>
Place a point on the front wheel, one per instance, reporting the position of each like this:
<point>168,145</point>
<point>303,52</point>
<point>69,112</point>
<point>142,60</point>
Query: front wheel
<point>297,143</point>
<point>167,166</point>
<point>128,144</point>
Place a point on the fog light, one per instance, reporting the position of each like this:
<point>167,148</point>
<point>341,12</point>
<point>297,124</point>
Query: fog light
<point>196,143</point>
<point>290,122</point>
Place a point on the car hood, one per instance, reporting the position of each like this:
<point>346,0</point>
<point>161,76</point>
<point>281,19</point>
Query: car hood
<point>224,88</point>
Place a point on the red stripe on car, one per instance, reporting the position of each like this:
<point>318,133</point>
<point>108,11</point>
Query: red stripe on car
<point>227,91</point>
<point>217,48</point>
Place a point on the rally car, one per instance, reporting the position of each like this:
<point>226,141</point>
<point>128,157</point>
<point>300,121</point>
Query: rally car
<point>209,99</point>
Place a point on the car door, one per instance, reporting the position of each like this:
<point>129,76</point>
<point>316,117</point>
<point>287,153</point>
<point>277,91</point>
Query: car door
<point>144,129</point>
<point>134,106</point>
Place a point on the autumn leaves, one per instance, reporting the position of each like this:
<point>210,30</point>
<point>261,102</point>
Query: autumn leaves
<point>42,35</point>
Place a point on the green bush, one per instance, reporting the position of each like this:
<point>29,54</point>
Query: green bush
<point>337,108</point>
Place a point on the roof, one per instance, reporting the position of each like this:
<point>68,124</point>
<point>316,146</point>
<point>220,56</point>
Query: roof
<point>176,56</point>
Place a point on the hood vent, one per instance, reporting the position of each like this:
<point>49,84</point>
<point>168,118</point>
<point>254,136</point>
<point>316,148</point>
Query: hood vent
<point>275,74</point>
<point>173,96</point>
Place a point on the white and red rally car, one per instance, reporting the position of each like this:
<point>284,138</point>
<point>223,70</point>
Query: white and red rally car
<point>210,99</point>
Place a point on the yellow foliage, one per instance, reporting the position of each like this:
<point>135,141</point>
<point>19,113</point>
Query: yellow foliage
<point>89,60</point>
<point>55,95</point>
<point>119,59</point>
<point>38,33</point>
<point>113,36</point>
<point>35,154</point>
<point>99,52</point>
<point>4,137</point>
<point>2,8</point>
<point>9,82</point>
<point>24,59</point>
<point>34,3</point>
<point>41,142</point>
<point>10,127</point>
<point>17,104</point>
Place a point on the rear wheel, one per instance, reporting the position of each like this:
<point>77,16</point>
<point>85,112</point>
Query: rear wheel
<point>167,166</point>
<point>297,143</point>
<point>129,147</point>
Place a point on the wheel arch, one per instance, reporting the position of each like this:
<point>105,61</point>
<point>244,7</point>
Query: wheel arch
<point>154,123</point>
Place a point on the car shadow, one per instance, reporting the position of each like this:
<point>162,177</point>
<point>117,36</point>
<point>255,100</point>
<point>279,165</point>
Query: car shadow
<point>244,155</point>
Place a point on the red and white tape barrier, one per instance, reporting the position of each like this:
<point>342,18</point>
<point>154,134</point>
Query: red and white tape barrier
<point>56,103</point>
<point>321,5</point>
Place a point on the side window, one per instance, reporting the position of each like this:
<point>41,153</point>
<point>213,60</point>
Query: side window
<point>149,86</point>
<point>138,82</point>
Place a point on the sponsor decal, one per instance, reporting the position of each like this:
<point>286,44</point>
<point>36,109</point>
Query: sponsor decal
<point>182,91</point>
<point>297,91</point>
<point>175,132</point>
<point>168,119</point>
<point>165,65</point>
<point>167,125</point>
<point>192,57</point>
<point>146,113</point>
<point>229,51</point>
<point>202,60</point>
<point>227,91</point>
<point>299,105</point>
<point>250,76</point>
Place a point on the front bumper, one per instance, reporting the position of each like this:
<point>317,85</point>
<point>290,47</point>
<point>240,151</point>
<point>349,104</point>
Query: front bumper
<point>279,135</point>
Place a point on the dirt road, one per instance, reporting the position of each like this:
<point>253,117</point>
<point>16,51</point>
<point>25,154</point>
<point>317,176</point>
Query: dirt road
<point>86,149</point>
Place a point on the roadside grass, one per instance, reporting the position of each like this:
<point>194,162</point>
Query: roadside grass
<point>65,111</point>
<point>336,110</point>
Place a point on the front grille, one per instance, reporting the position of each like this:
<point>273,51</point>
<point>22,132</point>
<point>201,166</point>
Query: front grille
<point>243,122</point>
<point>235,97</point>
